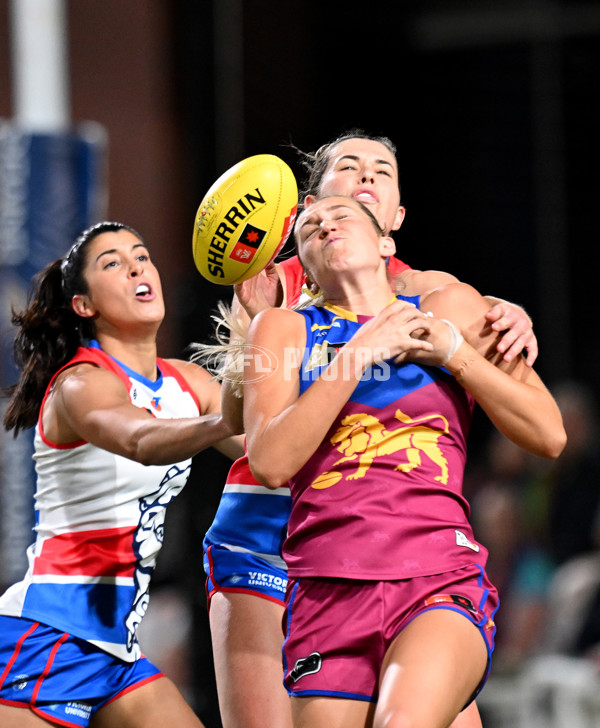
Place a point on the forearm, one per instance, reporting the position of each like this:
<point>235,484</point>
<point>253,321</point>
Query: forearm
<point>493,300</point>
<point>280,445</point>
<point>524,411</point>
<point>232,412</point>
<point>160,442</point>
<point>231,447</point>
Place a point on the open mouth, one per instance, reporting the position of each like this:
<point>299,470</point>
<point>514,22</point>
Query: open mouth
<point>365,197</point>
<point>143,291</point>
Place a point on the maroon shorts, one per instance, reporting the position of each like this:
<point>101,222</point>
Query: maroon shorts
<point>339,630</point>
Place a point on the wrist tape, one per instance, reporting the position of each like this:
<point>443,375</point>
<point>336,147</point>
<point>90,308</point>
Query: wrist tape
<point>456,339</point>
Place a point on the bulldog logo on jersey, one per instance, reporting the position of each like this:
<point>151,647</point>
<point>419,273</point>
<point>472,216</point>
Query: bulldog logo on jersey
<point>306,666</point>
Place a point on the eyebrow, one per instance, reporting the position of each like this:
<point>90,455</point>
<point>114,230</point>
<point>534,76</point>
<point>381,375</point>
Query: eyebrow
<point>333,207</point>
<point>114,250</point>
<point>356,158</point>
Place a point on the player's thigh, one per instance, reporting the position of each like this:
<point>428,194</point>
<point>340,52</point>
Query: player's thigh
<point>154,705</point>
<point>468,718</point>
<point>246,623</point>
<point>247,637</point>
<point>21,718</point>
<point>431,670</point>
<point>318,712</point>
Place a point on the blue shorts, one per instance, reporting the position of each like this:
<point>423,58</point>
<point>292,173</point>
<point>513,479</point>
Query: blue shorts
<point>322,659</point>
<point>244,573</point>
<point>60,677</point>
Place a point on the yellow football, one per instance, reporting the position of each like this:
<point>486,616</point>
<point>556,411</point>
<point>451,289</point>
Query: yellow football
<point>245,219</point>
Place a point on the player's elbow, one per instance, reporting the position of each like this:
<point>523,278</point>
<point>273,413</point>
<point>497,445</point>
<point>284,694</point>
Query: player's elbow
<point>269,473</point>
<point>555,443</point>
<point>549,442</point>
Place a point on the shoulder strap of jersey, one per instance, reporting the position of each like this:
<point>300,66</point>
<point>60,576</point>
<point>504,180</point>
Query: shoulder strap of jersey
<point>83,355</point>
<point>100,358</point>
<point>169,370</point>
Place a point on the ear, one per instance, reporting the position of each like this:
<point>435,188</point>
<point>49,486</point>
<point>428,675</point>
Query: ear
<point>311,285</point>
<point>309,200</point>
<point>398,220</point>
<point>83,306</point>
<point>387,246</point>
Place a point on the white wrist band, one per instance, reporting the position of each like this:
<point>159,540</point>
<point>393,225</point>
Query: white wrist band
<point>456,339</point>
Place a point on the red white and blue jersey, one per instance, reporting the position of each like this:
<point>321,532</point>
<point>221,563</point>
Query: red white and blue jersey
<point>99,522</point>
<point>250,518</point>
<point>381,498</point>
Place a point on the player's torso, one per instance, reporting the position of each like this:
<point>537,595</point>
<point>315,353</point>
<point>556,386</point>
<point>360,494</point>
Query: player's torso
<point>386,482</point>
<point>99,524</point>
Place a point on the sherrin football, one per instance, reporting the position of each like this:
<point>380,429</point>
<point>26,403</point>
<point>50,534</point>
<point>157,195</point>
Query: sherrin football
<point>245,219</point>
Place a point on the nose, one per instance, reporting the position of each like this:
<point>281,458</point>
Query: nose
<point>367,177</point>
<point>327,226</point>
<point>136,268</point>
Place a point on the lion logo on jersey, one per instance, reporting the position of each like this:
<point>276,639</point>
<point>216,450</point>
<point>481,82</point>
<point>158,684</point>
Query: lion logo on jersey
<point>362,438</point>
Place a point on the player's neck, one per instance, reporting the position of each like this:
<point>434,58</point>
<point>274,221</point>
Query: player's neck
<point>363,302</point>
<point>137,354</point>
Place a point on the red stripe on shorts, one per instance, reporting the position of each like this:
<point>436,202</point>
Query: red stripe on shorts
<point>16,651</point>
<point>47,668</point>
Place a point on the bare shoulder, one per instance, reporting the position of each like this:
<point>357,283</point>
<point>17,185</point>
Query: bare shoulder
<point>455,301</point>
<point>453,296</point>
<point>86,387</point>
<point>422,282</point>
<point>72,382</point>
<point>78,393</point>
<point>277,317</point>
<point>276,327</point>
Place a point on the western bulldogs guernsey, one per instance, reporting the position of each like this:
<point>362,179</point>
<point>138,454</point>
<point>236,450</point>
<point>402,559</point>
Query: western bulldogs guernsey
<point>252,519</point>
<point>99,523</point>
<point>386,482</point>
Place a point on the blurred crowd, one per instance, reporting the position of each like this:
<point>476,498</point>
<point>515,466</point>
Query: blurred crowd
<point>540,521</point>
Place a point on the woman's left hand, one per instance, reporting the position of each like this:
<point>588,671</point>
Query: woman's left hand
<point>518,328</point>
<point>445,339</point>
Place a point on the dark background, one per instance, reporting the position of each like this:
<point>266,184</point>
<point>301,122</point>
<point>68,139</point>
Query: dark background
<point>494,108</point>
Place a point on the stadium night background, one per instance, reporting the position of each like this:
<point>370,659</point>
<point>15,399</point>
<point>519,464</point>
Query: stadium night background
<point>493,105</point>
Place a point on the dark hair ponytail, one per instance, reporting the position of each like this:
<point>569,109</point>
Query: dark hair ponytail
<point>49,331</point>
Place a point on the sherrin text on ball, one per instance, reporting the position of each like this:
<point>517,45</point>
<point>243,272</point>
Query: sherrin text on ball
<point>245,219</point>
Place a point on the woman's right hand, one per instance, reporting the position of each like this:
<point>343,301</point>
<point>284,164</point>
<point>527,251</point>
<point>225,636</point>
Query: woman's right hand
<point>262,291</point>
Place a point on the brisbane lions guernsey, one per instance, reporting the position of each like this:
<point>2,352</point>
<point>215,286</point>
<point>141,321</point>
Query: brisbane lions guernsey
<point>99,522</point>
<point>251,518</point>
<point>381,498</point>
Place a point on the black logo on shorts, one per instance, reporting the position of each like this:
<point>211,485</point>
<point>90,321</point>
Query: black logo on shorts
<point>464,602</point>
<point>306,666</point>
